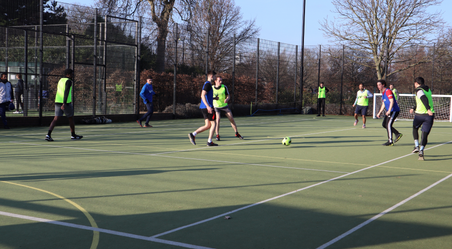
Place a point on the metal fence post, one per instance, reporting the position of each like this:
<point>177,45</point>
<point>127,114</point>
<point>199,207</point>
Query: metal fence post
<point>41,48</point>
<point>175,75</point>
<point>342,77</point>
<point>25,78</point>
<point>295,77</point>
<point>94,65</point>
<point>233,72</point>
<point>257,68</point>
<point>137,66</point>
<point>277,72</point>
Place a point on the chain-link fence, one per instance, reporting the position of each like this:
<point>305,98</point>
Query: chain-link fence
<point>105,53</point>
<point>102,50</point>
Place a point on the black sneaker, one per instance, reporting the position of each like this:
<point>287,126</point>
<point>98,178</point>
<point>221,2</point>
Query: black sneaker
<point>416,149</point>
<point>218,138</point>
<point>398,137</point>
<point>49,138</point>
<point>76,137</point>
<point>238,135</point>
<point>421,155</point>
<point>192,138</point>
<point>211,144</point>
<point>388,144</point>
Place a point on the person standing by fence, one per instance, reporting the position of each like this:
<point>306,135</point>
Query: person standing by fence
<point>6,97</point>
<point>19,92</point>
<point>147,93</point>
<point>321,97</point>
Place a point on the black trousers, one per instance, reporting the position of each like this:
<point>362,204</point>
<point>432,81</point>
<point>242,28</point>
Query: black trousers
<point>320,104</point>
<point>388,121</point>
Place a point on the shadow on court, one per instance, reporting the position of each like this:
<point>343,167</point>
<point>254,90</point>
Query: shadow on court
<point>263,226</point>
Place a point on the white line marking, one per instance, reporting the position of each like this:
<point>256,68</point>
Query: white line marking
<point>381,214</point>
<point>286,194</point>
<point>122,234</point>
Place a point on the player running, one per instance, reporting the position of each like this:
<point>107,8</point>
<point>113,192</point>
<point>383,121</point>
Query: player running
<point>220,102</point>
<point>389,102</point>
<point>424,115</point>
<point>362,103</point>
<point>207,111</point>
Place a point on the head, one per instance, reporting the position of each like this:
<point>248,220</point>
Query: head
<point>4,77</point>
<point>217,80</point>
<point>321,84</point>
<point>68,73</point>
<point>361,87</point>
<point>381,84</point>
<point>149,80</point>
<point>419,81</point>
<point>391,86</point>
<point>19,76</point>
<point>210,75</point>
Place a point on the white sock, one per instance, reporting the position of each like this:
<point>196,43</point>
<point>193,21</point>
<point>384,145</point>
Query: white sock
<point>194,133</point>
<point>209,140</point>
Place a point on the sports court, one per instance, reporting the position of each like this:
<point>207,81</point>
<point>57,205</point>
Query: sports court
<point>123,186</point>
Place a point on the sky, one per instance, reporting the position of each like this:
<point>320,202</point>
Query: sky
<point>281,20</point>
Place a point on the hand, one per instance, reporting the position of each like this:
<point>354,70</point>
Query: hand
<point>378,115</point>
<point>62,107</point>
<point>388,113</point>
<point>209,109</point>
<point>430,113</point>
<point>226,100</point>
<point>353,106</point>
<point>411,111</point>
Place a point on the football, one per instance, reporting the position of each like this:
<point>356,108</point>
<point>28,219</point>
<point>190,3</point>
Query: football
<point>286,141</point>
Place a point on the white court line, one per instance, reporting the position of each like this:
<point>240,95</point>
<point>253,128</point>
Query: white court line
<point>286,194</point>
<point>122,234</point>
<point>381,214</point>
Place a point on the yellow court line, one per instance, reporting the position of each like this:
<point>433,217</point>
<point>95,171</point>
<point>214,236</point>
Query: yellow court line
<point>91,220</point>
<point>426,170</point>
<point>286,158</point>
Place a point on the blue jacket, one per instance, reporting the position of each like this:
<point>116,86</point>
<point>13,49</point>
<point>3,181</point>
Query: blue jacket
<point>209,96</point>
<point>146,93</point>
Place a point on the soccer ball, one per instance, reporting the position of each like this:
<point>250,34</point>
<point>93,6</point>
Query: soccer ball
<point>286,141</point>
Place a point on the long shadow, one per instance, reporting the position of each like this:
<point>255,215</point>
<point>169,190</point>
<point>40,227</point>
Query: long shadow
<point>264,226</point>
<point>90,174</point>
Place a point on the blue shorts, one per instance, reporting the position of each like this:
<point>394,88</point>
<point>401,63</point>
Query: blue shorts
<point>425,120</point>
<point>361,110</point>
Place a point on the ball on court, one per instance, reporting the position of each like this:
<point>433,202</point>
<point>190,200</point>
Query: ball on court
<point>286,141</point>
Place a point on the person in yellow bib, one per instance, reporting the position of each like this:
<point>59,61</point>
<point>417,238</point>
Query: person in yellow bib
<point>220,103</point>
<point>63,105</point>
<point>322,91</point>
<point>362,103</point>
<point>424,115</point>
<point>394,91</point>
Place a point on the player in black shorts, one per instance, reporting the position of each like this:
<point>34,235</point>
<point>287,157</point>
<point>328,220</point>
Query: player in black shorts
<point>424,115</point>
<point>207,111</point>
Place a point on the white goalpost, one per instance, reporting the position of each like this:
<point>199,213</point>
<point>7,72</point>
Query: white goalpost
<point>441,103</point>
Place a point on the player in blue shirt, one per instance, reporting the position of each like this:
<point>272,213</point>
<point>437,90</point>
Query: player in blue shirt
<point>146,94</point>
<point>392,111</point>
<point>207,110</point>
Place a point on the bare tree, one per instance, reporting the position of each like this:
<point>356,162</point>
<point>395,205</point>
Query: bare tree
<point>219,20</point>
<point>383,27</point>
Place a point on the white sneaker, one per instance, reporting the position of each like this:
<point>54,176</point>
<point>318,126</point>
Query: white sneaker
<point>364,126</point>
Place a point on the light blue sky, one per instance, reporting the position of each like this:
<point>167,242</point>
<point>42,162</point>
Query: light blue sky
<point>281,20</point>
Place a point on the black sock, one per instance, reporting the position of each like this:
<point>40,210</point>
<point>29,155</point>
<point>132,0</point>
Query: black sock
<point>49,133</point>
<point>73,134</point>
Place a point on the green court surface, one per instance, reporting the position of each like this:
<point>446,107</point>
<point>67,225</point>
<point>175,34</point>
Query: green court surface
<point>123,186</point>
